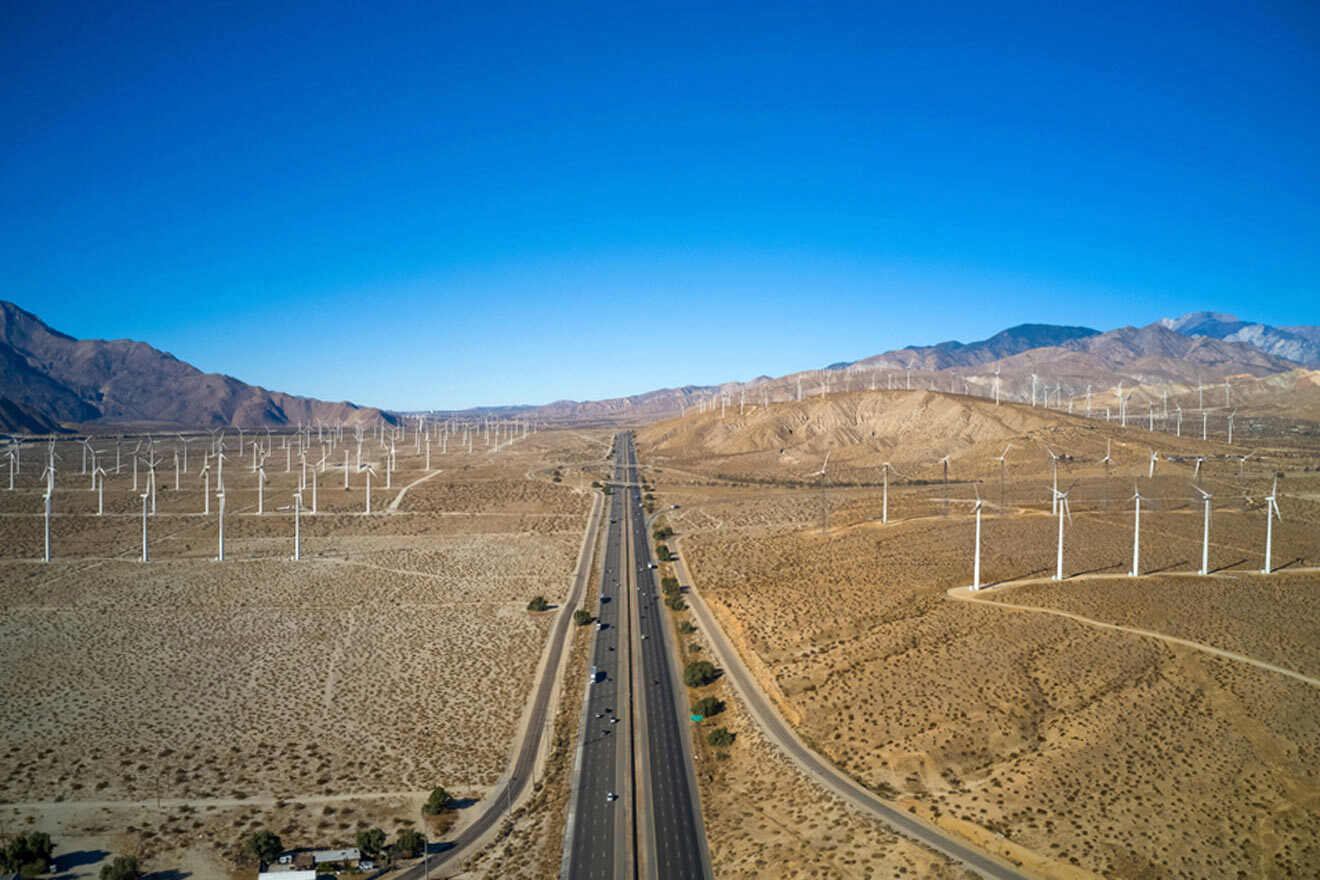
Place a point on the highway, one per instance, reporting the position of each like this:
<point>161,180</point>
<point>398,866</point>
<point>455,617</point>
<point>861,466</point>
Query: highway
<point>674,835</point>
<point>599,831</point>
<point>654,830</point>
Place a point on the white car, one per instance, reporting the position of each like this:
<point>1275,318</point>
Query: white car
<point>610,796</point>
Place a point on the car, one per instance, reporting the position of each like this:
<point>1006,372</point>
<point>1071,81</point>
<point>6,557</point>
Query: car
<point>651,565</point>
<point>614,721</point>
<point>643,635</point>
<point>598,715</point>
<point>610,797</point>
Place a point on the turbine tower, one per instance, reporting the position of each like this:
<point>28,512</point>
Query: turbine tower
<point>1061,503</point>
<point>1271,511</point>
<point>1205,536</point>
<point>1003,467</point>
<point>976,558</point>
<point>1136,532</point>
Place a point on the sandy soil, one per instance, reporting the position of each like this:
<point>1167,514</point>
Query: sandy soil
<point>1100,751</point>
<point>395,656</point>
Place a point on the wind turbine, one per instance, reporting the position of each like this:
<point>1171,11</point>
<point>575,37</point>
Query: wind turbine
<point>220,499</point>
<point>144,496</point>
<point>261,483</point>
<point>945,460</point>
<point>297,525</point>
<point>1136,532</point>
<point>1205,538</point>
<point>371,472</point>
<point>976,557</point>
<point>1054,486</point>
<point>1154,456</point>
<point>1242,462</point>
<point>1231,416</point>
<point>1003,467</point>
<point>884,506</point>
<point>821,473</point>
<point>99,471</point>
<point>1061,503</point>
<point>314,490</point>
<point>1271,511</point>
<point>46,502</point>
<point>1196,473</point>
<point>205,474</point>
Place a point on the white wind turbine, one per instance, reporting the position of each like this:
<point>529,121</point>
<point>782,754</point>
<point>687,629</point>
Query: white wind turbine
<point>976,556</point>
<point>996,386</point>
<point>220,506</point>
<point>1205,537</point>
<point>371,472</point>
<point>261,493</point>
<point>1054,485</point>
<point>345,469</point>
<point>297,525</point>
<point>1179,408</point>
<point>45,499</point>
<point>1231,416</point>
<point>205,474</point>
<point>1003,469</point>
<point>1271,511</point>
<point>1136,532</point>
<point>98,477</point>
<point>1242,462</point>
<point>144,496</point>
<point>1154,457</point>
<point>185,441</point>
<point>313,490</point>
<point>1061,503</point>
<point>1196,472</point>
<point>884,507</point>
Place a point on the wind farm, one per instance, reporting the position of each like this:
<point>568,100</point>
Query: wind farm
<point>699,442</point>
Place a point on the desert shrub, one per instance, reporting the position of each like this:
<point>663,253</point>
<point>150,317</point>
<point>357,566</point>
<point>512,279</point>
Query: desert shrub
<point>686,628</point>
<point>538,604</point>
<point>669,584</point>
<point>439,801</point>
<point>699,673</point>
<point>662,552</point>
<point>694,648</point>
<point>595,484</point>
<point>582,617</point>
<point>663,533</point>
<point>264,846</point>
<point>708,706</point>
<point>676,603</point>
<point>720,738</point>
<point>122,868</point>
<point>409,844</point>
<point>371,842</point>
<point>28,854</point>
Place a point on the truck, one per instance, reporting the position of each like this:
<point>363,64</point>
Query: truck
<point>595,675</point>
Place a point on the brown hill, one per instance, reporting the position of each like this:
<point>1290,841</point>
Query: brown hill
<point>53,377</point>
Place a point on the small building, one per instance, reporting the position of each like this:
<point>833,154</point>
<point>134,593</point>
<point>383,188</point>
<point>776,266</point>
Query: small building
<point>309,859</point>
<point>287,875</point>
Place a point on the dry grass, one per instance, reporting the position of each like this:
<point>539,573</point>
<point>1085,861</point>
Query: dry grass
<point>396,655</point>
<point>1101,751</point>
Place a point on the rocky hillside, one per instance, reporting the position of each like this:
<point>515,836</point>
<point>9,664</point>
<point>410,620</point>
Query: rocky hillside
<point>48,378</point>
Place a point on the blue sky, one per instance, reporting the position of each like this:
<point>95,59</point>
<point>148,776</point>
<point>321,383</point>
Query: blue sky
<point>433,205</point>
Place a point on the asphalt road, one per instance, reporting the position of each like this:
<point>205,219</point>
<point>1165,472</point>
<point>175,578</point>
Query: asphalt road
<point>676,835</point>
<point>596,848</point>
<point>782,735</point>
<point>496,805</point>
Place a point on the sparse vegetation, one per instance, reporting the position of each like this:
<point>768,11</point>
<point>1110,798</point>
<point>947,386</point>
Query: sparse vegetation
<point>121,868</point>
<point>264,846</point>
<point>438,801</point>
<point>708,706</point>
<point>582,617</point>
<point>699,673</point>
<point>27,854</point>
<point>538,604</point>
<point>720,738</point>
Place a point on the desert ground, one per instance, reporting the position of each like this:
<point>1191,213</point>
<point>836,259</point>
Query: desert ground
<point>1100,751</point>
<point>171,706</point>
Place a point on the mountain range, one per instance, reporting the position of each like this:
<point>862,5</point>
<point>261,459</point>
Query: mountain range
<point>49,380</point>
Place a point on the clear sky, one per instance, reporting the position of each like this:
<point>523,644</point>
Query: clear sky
<point>441,205</point>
